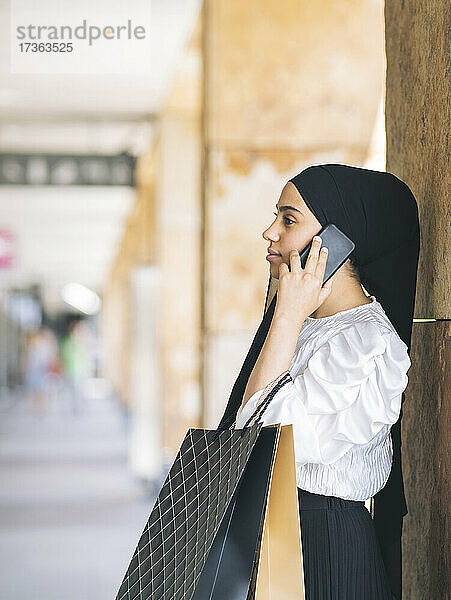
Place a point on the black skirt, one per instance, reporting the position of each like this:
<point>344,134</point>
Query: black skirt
<point>341,554</point>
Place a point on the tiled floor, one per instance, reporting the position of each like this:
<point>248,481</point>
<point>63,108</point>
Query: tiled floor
<point>70,512</point>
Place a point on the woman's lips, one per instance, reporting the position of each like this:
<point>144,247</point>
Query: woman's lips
<point>272,257</point>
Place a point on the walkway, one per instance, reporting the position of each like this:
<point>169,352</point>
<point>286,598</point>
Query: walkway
<point>70,513</point>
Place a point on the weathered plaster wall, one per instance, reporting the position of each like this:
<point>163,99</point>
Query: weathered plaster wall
<point>286,84</point>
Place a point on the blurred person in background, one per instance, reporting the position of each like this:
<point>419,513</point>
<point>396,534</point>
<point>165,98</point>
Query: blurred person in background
<point>76,361</point>
<point>41,362</point>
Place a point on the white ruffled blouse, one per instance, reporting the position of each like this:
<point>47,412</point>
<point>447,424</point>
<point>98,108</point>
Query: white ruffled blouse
<point>348,373</point>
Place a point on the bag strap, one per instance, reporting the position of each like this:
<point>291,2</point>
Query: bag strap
<point>274,387</point>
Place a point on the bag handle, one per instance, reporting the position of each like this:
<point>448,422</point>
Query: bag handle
<point>274,386</point>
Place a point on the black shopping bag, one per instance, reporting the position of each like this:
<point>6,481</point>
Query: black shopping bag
<point>225,525</point>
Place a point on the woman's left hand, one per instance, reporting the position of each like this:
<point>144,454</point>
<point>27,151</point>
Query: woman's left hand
<point>301,291</point>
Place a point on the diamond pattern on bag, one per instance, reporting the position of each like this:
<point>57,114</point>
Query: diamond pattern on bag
<point>177,538</point>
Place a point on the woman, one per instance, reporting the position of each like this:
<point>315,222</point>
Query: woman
<point>339,359</point>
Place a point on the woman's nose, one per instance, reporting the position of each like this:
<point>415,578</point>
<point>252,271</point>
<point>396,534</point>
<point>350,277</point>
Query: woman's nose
<point>270,234</point>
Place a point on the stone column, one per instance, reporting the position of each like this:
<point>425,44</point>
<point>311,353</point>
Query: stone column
<point>417,125</point>
<point>137,247</point>
<point>160,254</point>
<point>177,237</point>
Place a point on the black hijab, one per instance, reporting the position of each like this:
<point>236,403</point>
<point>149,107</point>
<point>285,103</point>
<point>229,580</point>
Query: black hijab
<point>378,212</point>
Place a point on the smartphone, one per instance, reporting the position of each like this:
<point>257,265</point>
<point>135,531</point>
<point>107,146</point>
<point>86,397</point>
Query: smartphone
<point>339,246</point>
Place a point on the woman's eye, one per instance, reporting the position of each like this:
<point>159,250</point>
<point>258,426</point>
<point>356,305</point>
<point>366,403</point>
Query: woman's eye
<point>286,220</point>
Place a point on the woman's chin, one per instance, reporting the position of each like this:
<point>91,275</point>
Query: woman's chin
<point>274,271</point>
